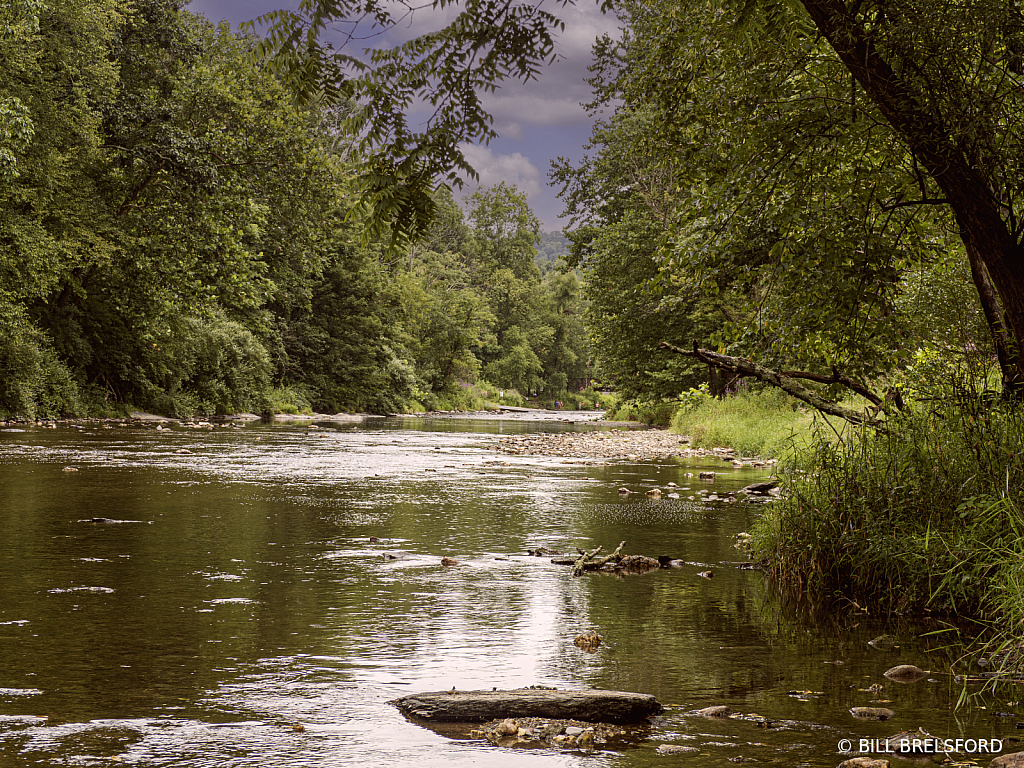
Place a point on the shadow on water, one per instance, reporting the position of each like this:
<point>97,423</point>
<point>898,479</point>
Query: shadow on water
<point>251,580</point>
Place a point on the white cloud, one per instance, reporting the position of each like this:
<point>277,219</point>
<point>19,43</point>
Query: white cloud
<point>514,169</point>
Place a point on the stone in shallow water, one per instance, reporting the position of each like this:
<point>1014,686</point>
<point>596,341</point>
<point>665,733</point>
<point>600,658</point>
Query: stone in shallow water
<point>905,673</point>
<point>872,713</point>
<point>719,710</point>
<point>863,762</point>
<point>676,749</point>
<point>1012,760</point>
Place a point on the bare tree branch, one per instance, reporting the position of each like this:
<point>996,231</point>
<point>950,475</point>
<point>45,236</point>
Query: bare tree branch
<point>787,382</point>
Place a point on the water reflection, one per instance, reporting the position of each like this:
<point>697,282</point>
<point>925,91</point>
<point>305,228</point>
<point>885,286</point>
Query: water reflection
<point>250,590</point>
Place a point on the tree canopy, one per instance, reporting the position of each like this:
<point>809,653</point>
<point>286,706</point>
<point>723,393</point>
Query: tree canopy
<point>805,163</point>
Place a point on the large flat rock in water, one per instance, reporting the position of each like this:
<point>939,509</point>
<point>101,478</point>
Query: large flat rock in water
<point>480,706</point>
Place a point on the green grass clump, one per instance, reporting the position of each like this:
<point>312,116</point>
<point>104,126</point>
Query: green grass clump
<point>291,401</point>
<point>651,414</point>
<point>925,513</point>
<point>768,423</point>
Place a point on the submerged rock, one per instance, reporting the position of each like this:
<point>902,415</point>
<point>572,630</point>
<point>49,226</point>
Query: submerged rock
<point>676,749</point>
<point>569,734</point>
<point>761,488</point>
<point>872,713</point>
<point>905,673</point>
<point>863,762</point>
<point>883,643</point>
<point>588,641</point>
<point>719,710</point>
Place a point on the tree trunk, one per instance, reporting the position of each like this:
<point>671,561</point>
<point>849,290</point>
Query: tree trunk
<point>984,232</point>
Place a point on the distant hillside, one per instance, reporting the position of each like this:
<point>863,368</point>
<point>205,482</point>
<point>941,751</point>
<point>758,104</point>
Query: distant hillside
<point>551,246</point>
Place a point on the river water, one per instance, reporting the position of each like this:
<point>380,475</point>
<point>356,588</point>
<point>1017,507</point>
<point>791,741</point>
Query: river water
<point>244,590</point>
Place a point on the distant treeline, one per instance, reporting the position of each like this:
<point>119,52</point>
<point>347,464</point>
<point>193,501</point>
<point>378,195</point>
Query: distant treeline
<point>177,235</point>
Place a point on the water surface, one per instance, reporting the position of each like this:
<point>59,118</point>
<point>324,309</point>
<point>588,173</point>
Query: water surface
<point>244,589</point>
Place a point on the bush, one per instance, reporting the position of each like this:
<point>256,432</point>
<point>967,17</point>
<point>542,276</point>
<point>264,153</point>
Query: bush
<point>651,414</point>
<point>207,365</point>
<point>34,383</point>
<point>920,514</point>
<point>289,400</point>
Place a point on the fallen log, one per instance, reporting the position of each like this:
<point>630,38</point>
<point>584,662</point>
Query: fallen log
<point>579,565</point>
<point>597,563</point>
<point>481,706</point>
<point>588,561</point>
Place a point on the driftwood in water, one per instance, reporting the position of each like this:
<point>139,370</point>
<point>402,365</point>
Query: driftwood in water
<point>587,561</point>
<point>480,706</point>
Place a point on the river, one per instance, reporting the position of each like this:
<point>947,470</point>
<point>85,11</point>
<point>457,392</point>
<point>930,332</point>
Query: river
<point>240,609</point>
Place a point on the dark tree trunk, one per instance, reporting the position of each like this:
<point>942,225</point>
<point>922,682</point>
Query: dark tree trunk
<point>716,382</point>
<point>985,234</point>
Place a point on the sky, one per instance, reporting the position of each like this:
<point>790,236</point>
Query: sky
<point>536,122</point>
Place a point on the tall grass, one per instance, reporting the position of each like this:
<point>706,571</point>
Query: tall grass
<point>768,423</point>
<point>925,514</point>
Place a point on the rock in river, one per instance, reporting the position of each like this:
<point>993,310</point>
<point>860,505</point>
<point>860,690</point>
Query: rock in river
<point>480,706</point>
<point>676,749</point>
<point>1012,760</point>
<point>716,711</point>
<point>905,673</point>
<point>872,713</point>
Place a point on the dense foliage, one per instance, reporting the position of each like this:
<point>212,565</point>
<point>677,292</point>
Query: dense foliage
<point>765,182</point>
<point>176,233</point>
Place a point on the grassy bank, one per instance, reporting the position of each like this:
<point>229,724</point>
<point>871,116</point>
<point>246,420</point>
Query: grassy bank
<point>927,514</point>
<point>768,423</point>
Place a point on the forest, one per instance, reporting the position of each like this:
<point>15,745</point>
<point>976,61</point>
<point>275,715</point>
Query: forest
<point>178,233</point>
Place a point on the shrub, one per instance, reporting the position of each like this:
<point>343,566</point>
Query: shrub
<point>34,383</point>
<point>207,365</point>
<point>906,517</point>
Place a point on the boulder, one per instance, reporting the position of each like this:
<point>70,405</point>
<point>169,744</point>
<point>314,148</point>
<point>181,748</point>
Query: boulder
<point>905,673</point>
<point>1012,760</point>
<point>481,706</point>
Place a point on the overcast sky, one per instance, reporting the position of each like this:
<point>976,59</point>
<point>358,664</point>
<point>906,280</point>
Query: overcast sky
<point>536,122</point>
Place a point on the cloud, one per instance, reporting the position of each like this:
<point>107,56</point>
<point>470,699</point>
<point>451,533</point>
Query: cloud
<point>514,169</point>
